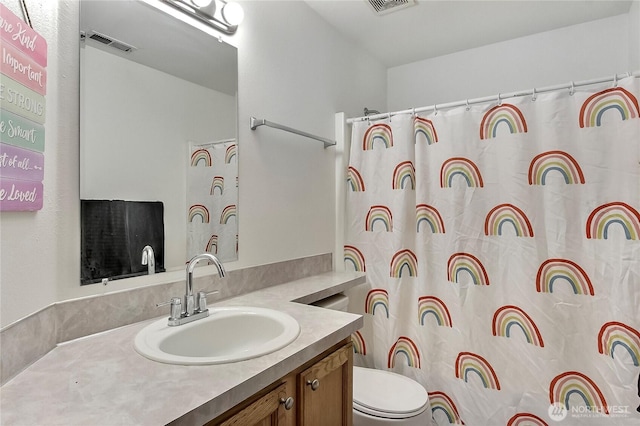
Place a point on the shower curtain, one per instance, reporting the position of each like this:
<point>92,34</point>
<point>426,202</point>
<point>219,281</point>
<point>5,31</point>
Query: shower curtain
<point>501,244</point>
<point>212,196</point>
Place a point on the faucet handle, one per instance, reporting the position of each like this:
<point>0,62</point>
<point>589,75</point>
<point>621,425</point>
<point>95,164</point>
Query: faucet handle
<point>190,304</point>
<point>202,299</point>
<point>176,307</point>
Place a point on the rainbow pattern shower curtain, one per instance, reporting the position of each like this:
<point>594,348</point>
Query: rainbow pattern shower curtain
<point>502,249</point>
<point>212,197</point>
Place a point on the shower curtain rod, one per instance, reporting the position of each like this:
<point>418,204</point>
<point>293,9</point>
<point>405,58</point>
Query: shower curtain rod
<point>571,86</point>
<point>255,122</point>
<point>209,144</point>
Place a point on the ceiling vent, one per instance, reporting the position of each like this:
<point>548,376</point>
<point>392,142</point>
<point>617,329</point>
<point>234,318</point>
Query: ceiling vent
<point>111,42</point>
<point>382,7</point>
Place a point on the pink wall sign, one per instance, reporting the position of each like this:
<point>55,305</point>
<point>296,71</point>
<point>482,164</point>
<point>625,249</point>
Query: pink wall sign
<point>20,195</point>
<point>19,163</point>
<point>22,69</point>
<point>22,113</point>
<point>16,32</point>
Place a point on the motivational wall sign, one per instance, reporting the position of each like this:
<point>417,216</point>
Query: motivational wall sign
<point>23,87</point>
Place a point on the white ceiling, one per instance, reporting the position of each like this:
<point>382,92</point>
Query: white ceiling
<point>430,28</point>
<point>439,27</point>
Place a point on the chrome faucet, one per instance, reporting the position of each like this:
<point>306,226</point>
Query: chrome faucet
<point>189,299</point>
<point>149,259</point>
<point>188,312</point>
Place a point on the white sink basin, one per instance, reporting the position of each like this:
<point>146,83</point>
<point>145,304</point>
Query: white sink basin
<point>228,334</point>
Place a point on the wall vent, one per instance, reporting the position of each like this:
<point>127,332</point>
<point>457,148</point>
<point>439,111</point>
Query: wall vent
<point>382,7</point>
<point>111,42</point>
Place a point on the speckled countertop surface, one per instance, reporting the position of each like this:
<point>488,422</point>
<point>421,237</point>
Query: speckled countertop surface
<point>102,380</point>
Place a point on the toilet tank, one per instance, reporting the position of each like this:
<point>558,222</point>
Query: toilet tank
<point>337,302</point>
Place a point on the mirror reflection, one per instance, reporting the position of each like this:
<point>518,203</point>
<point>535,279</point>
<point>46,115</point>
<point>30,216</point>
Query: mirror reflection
<point>158,125</point>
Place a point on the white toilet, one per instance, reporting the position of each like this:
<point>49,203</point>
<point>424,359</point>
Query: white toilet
<point>383,397</point>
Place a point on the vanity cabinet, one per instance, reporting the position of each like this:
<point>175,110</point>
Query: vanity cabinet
<point>275,408</point>
<point>325,390</point>
<point>319,393</point>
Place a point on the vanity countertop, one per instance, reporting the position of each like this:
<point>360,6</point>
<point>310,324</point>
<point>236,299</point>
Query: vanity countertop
<point>102,380</point>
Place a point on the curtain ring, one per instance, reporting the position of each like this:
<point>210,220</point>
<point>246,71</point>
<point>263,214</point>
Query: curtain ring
<point>413,112</point>
<point>615,80</point>
<point>389,117</point>
<point>572,89</point>
<point>499,99</point>
<point>468,106</point>
<point>534,95</point>
<point>435,109</point>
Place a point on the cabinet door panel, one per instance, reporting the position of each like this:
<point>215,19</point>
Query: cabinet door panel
<point>267,410</point>
<point>325,390</point>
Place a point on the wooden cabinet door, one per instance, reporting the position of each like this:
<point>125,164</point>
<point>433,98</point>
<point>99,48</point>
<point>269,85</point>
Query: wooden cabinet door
<point>325,390</point>
<point>272,409</point>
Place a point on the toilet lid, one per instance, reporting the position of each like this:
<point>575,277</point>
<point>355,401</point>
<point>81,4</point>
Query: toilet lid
<point>386,394</point>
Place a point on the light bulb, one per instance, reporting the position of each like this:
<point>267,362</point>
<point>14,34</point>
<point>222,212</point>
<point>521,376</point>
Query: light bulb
<point>233,13</point>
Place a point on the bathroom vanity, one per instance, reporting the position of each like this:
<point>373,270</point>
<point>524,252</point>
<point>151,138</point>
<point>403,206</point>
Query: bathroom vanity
<point>101,379</point>
<point>317,393</point>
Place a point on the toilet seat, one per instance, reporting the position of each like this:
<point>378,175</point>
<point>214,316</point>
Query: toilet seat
<point>386,394</point>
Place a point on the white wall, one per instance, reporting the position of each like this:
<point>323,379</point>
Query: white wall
<point>136,147</point>
<point>40,250</point>
<point>293,69</point>
<point>580,52</point>
<point>634,36</point>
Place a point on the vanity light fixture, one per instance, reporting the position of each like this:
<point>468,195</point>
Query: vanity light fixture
<point>222,15</point>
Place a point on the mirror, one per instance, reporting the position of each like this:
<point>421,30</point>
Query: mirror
<point>158,126</point>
